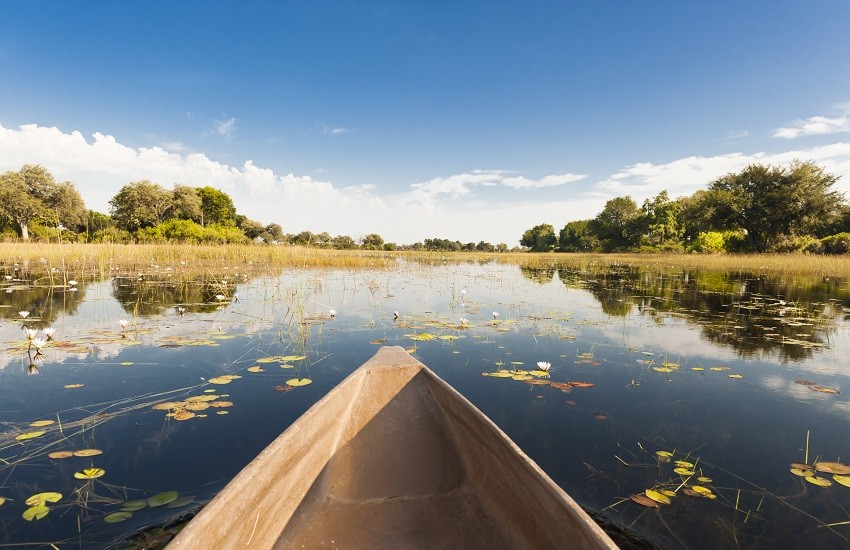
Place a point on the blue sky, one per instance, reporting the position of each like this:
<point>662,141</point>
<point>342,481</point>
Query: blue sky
<point>466,120</point>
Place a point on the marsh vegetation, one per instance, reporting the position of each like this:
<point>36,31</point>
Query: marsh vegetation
<point>698,401</point>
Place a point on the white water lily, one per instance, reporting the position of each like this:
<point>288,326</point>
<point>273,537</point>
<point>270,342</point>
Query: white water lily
<point>463,321</point>
<point>332,312</point>
<point>24,314</point>
<point>181,310</point>
<point>544,366</point>
<point>495,314</point>
<point>220,297</point>
<point>39,343</point>
<point>48,332</point>
<point>72,282</point>
<point>123,323</point>
<point>30,332</point>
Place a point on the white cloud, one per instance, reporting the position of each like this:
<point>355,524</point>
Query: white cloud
<point>736,134</point>
<point>816,126</point>
<point>460,185</point>
<point>520,182</point>
<point>686,175</point>
<point>225,127</point>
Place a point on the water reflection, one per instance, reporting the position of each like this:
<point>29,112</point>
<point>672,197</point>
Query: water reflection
<point>633,351</point>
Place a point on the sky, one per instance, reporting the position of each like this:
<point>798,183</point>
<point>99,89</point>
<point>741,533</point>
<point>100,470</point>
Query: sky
<point>466,120</point>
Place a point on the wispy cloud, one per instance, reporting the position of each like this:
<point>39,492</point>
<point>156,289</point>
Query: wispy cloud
<point>335,130</point>
<point>736,134</point>
<point>225,128</point>
<point>460,185</point>
<point>816,126</point>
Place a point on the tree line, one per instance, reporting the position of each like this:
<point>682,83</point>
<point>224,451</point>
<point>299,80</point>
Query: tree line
<point>762,208</point>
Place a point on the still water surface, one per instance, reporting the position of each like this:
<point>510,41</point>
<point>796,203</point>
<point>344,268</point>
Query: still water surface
<point>733,374</point>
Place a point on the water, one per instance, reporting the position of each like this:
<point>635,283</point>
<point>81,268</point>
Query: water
<point>611,329</point>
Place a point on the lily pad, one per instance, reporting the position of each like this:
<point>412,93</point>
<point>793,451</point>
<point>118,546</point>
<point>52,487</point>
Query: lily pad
<point>833,468</point>
<point>90,473</point>
<point>255,368</point>
<point>30,435</point>
<point>42,423</point>
<point>819,481</point>
<point>219,380</point>
<point>35,512</point>
<point>299,382</point>
<point>88,452</point>
<point>162,499</point>
<point>61,454</point>
<point>180,502</point>
<point>657,496</point>
<point>802,473</point>
<point>134,505</point>
<point>117,516</point>
<point>40,499</point>
<point>644,500</point>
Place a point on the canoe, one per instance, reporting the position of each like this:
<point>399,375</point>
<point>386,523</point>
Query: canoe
<point>393,457</point>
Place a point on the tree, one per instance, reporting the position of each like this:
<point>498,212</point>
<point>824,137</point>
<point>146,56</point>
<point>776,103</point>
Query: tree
<point>344,242</point>
<point>616,226</point>
<point>185,203</point>
<point>770,202</point>
<point>216,207</point>
<point>372,241</point>
<point>140,204</point>
<point>275,231</point>
<point>659,221</point>
<point>251,228</point>
<point>576,237</point>
<point>540,238</point>
<point>32,194</point>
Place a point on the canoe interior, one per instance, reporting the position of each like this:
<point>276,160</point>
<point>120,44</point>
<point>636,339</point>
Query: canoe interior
<point>392,458</point>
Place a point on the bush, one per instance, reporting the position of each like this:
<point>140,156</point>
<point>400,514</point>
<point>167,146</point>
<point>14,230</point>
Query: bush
<point>803,243</point>
<point>709,242</point>
<point>836,244</point>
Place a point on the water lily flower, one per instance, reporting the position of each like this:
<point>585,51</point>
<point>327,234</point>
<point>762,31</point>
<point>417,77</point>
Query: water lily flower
<point>463,291</point>
<point>49,332</point>
<point>30,332</point>
<point>220,297</point>
<point>39,343</point>
<point>72,282</point>
<point>544,366</point>
<point>332,313</point>
<point>181,310</point>
<point>24,314</point>
<point>123,323</point>
<point>463,321</point>
<point>495,314</point>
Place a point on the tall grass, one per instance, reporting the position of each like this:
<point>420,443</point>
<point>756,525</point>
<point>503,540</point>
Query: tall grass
<point>77,259</point>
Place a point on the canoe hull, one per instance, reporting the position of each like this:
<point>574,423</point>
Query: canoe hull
<point>392,457</point>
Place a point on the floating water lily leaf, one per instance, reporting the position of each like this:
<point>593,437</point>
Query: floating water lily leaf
<point>720,368</point>
<point>134,506</point>
<point>703,479</point>
<point>823,389</point>
<point>183,415</point>
<point>580,384</point>
<point>684,464</point>
<point>219,380</point>
<point>299,382</point>
<point>500,374</point>
<point>72,386</point>
<point>255,368</point>
<point>378,341</point>
<point>449,337</point>
<point>40,499</point>
<point>2,501</point>
<point>521,377</point>
<point>201,398</point>
<point>272,359</point>
<point>664,454</point>
<point>125,363</point>
<point>61,454</point>
<point>117,516</point>
<point>657,496</point>
<point>421,337</point>
<point>293,358</point>
<point>90,473</point>
<point>221,404</point>
<point>29,435</point>
<point>667,492</point>
<point>36,512</point>
<point>42,423</point>
<point>563,386</point>
<point>802,473</point>
<point>168,405</point>
<point>832,468</point>
<point>670,365</point>
<point>662,369</point>
<point>701,490</point>
<point>698,369</point>
<point>735,376</point>
<point>802,466</point>
<point>538,373</point>
<point>230,376</point>
<point>684,471</point>
<point>182,501</point>
<point>819,481</point>
<point>197,406</point>
<point>535,382</point>
<point>842,480</point>
<point>162,499</point>
<point>88,452</point>
<point>517,363</point>
<point>644,500</point>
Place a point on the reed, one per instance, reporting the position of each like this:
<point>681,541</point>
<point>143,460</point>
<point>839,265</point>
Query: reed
<point>76,258</point>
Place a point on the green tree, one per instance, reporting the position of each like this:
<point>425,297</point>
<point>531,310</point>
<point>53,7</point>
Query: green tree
<point>372,241</point>
<point>216,207</point>
<point>344,242</point>
<point>540,238</point>
<point>275,231</point>
<point>31,194</point>
<point>251,228</point>
<point>617,225</point>
<point>140,204</point>
<point>577,237</point>
<point>770,202</point>
<point>659,221</point>
<point>185,203</point>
